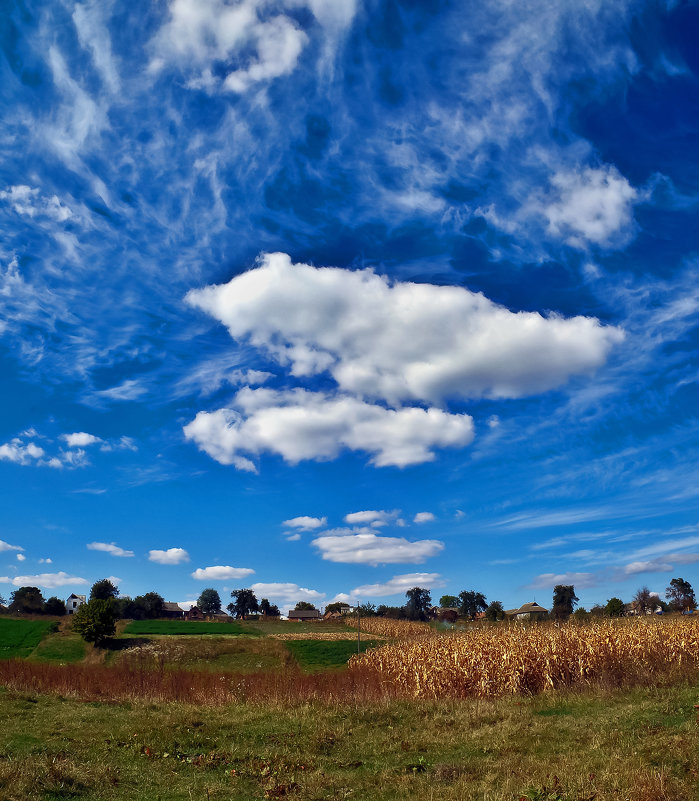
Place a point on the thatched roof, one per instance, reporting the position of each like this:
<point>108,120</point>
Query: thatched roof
<point>533,606</point>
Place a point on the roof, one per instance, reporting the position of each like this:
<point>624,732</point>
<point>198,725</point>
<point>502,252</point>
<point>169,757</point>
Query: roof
<point>169,606</point>
<point>304,613</point>
<point>79,597</point>
<point>533,606</point>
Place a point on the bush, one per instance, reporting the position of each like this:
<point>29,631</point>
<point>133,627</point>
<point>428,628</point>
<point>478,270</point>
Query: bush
<point>95,620</point>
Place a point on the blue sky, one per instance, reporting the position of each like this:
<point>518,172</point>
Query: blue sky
<point>333,299</point>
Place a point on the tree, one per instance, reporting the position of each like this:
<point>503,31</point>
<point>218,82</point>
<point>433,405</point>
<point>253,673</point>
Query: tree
<point>95,620</point>
<point>494,611</point>
<point>448,601</point>
<point>148,606</point>
<point>615,607</point>
<point>471,603</point>
<point>303,605</point>
<point>681,595</point>
<point>419,602</point>
<point>564,601</point>
<point>54,606</point>
<point>209,601</point>
<point>245,602</point>
<point>581,615</point>
<point>103,590</point>
<point>367,610</point>
<point>27,601</point>
<point>644,601</point>
<point>268,609</point>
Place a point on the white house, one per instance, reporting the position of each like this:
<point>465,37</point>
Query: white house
<point>74,602</point>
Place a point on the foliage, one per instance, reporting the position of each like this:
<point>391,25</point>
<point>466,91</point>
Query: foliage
<point>268,609</point>
<point>471,603</point>
<point>95,621</point>
<point>303,606</point>
<point>681,595</point>
<point>564,601</point>
<point>27,601</point>
<point>615,607</point>
<point>419,603</point>
<point>582,615</point>
<point>367,610</point>
<point>393,612</point>
<point>103,590</point>
<point>336,607</point>
<point>54,606</point>
<point>448,601</point>
<point>209,601</point>
<point>148,606</point>
<point>644,601</point>
<point>494,611</point>
<point>18,638</point>
<point>244,603</point>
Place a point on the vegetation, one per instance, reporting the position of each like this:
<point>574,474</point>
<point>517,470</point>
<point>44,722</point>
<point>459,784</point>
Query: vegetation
<point>140,627</point>
<point>419,603</point>
<point>55,606</point>
<point>95,620</point>
<point>268,609</point>
<point>564,601</point>
<point>305,606</point>
<point>494,611</point>
<point>18,638</point>
<point>26,601</point>
<point>209,601</point>
<point>244,603</point>
<point>615,607</point>
<point>681,595</point>
<point>322,654</point>
<point>104,590</point>
<point>471,603</point>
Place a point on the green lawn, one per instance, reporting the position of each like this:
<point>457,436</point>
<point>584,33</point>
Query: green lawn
<point>184,627</point>
<point>63,647</point>
<point>638,745</point>
<point>315,655</point>
<point>18,638</point>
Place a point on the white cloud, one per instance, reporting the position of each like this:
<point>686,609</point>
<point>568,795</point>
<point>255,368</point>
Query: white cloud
<point>221,573</point>
<point>19,453</point>
<point>109,547</point>
<point>46,561</point>
<point>29,202</point>
<point>545,581</point>
<point>398,585</point>
<point>80,439</point>
<point>5,546</point>
<point>299,425</point>
<point>286,593</point>
<point>21,557</point>
<point>360,327</point>
<point>49,580</point>
<point>305,523</point>
<point>653,566</point>
<point>126,391</point>
<point>374,517</point>
<point>369,549</point>
<point>293,537</point>
<point>172,556</point>
<point>424,517</point>
<point>94,36</point>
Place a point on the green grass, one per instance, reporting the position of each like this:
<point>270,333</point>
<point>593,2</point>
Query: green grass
<point>638,745</point>
<point>315,655</point>
<point>18,638</point>
<point>183,627</point>
<point>63,647</point>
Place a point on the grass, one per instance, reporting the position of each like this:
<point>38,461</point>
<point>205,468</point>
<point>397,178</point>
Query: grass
<point>172,627</point>
<point>313,655</point>
<point>635,744</point>
<point>18,638</point>
<point>63,647</point>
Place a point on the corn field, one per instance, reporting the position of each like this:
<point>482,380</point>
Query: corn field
<point>529,659</point>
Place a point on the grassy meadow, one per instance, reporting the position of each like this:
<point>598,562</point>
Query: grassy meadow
<point>289,710</point>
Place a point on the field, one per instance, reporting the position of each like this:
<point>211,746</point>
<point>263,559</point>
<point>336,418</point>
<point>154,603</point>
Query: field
<point>19,638</point>
<point>170,627</point>
<point>601,712</point>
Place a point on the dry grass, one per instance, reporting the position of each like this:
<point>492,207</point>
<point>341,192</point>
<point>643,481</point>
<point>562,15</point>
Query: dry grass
<point>506,660</point>
<point>393,629</point>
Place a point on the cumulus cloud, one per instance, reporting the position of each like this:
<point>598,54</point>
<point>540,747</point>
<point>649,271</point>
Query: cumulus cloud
<point>5,546</point>
<point>46,561</point>
<point>47,580</point>
<point>545,581</point>
<point>424,517</point>
<point>29,202</point>
<point>373,517</point>
<point>398,585</point>
<point>80,439</point>
<point>286,593</point>
<point>20,453</point>
<point>300,425</point>
<point>171,556</point>
<point>21,557</point>
<point>221,572</point>
<point>369,549</point>
<point>109,547</point>
<point>305,523</point>
<point>361,328</point>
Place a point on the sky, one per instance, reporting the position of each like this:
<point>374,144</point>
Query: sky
<point>335,298</point>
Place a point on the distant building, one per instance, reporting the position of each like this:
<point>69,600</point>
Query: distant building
<point>194,613</point>
<point>304,614</point>
<point>528,611</point>
<point>172,610</point>
<point>74,602</point>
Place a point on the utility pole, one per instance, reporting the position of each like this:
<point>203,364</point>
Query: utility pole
<point>359,634</point>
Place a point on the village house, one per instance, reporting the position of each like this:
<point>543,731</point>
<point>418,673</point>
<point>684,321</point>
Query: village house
<point>74,602</point>
<point>194,613</point>
<point>304,614</point>
<point>172,610</point>
<point>528,611</point>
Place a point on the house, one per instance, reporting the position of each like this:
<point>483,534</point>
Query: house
<point>304,614</point>
<point>528,611</point>
<point>172,610</point>
<point>194,613</point>
<point>74,602</point>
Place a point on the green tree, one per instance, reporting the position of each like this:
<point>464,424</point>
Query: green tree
<point>54,606</point>
<point>336,607</point>
<point>471,603</point>
<point>564,601</point>
<point>367,610</point>
<point>148,606</point>
<point>615,607</point>
<point>268,609</point>
<point>27,601</point>
<point>581,615</point>
<point>494,611</point>
<point>245,602</point>
<point>95,620</point>
<point>680,594</point>
<point>103,590</point>
<point>448,601</point>
<point>303,605</point>
<point>419,603</point>
<point>209,601</point>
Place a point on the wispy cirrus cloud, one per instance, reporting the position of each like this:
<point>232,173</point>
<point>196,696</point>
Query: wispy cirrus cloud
<point>109,547</point>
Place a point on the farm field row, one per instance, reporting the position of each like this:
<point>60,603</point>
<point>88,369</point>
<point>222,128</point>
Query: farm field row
<point>636,744</point>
